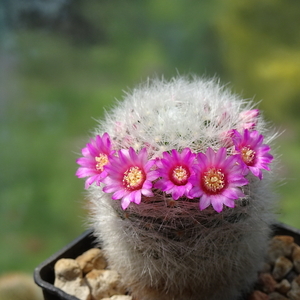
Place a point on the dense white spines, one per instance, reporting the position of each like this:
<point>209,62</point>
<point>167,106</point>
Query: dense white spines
<point>167,249</point>
<point>174,115</point>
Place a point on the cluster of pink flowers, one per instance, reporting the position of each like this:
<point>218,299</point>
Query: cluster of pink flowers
<point>215,178</point>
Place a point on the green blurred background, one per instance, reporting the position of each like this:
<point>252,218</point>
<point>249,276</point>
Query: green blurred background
<point>63,62</point>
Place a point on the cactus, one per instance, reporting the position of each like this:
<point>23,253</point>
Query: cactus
<point>179,190</point>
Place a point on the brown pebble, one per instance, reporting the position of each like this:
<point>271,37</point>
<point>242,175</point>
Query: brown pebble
<point>68,277</point>
<point>280,245</point>
<point>283,286</point>
<point>67,269</point>
<point>296,258</point>
<point>277,296</point>
<point>282,267</point>
<point>104,283</point>
<point>91,259</point>
<point>294,293</point>
<point>267,282</point>
<point>258,295</point>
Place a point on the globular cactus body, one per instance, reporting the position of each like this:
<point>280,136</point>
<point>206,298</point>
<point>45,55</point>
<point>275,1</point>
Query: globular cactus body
<point>172,249</point>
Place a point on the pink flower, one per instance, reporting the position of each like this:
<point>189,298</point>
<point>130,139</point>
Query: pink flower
<point>253,152</point>
<point>249,115</point>
<point>249,118</point>
<point>129,176</point>
<point>96,154</point>
<point>226,138</point>
<point>175,170</point>
<point>217,179</point>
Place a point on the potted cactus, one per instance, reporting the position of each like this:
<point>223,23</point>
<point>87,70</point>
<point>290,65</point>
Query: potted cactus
<point>178,179</point>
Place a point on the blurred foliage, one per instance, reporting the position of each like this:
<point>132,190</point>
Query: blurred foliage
<point>60,72</point>
<point>260,48</point>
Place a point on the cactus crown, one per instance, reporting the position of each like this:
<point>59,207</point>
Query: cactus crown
<point>190,141</point>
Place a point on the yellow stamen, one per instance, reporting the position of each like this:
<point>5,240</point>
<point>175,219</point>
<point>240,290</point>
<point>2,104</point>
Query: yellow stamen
<point>180,174</point>
<point>214,180</point>
<point>248,155</point>
<point>133,177</point>
<point>101,160</point>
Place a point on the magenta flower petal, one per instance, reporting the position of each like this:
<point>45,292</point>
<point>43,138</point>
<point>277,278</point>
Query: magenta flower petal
<point>233,193</point>
<point>152,175</point>
<point>90,180</point>
<point>129,175</point>
<point>147,192</point>
<point>84,172</point>
<point>147,185</point>
<point>179,191</point>
<point>85,162</point>
<point>229,203</point>
<point>256,172</point>
<point>119,194</point>
<point>96,155</point>
<point>238,181</point>
<point>137,197</point>
<point>175,170</point>
<point>205,201</point>
<point>217,179</point>
<point>125,201</point>
<point>254,154</point>
<point>111,186</point>
<point>217,202</point>
<point>85,151</point>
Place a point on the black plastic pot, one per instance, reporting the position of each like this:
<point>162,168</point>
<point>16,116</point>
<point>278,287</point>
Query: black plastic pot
<point>44,273</point>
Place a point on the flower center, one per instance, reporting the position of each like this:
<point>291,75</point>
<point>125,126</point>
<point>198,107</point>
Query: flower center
<point>133,178</point>
<point>180,175</point>
<point>214,180</point>
<point>248,155</point>
<point>101,160</point>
